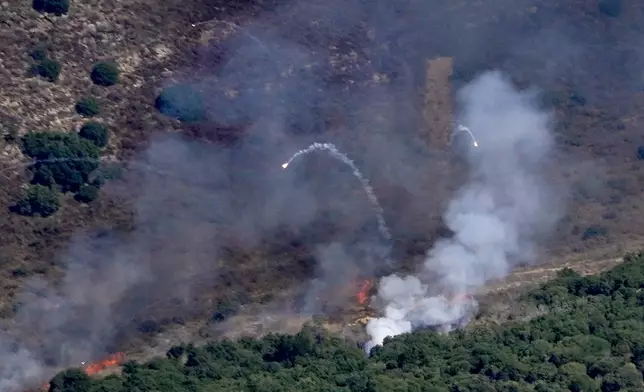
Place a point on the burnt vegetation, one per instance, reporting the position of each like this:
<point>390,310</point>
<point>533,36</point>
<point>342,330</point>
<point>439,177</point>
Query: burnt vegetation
<point>591,338</point>
<point>588,341</point>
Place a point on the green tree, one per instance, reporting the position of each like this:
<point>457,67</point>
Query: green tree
<point>587,340</point>
<point>87,107</point>
<point>95,132</point>
<point>49,69</point>
<point>37,200</point>
<point>105,73</point>
<point>61,158</point>
<point>57,7</point>
<point>38,53</point>
<point>87,193</point>
<point>182,102</point>
<point>73,380</point>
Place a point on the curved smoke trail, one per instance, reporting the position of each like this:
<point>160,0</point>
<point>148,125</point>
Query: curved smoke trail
<point>371,195</point>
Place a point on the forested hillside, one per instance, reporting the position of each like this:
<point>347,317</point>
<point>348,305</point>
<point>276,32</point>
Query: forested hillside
<point>589,337</point>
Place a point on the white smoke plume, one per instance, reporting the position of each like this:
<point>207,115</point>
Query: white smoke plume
<point>497,217</point>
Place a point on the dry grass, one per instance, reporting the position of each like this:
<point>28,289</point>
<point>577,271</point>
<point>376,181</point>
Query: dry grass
<point>153,41</point>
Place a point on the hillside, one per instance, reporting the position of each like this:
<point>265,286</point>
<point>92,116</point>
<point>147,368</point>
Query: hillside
<point>586,334</point>
<point>151,208</point>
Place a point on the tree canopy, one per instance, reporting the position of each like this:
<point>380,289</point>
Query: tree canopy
<point>61,158</point>
<point>591,338</point>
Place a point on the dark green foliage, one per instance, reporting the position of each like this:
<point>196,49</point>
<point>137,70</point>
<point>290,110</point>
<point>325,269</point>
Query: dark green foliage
<point>37,200</point>
<point>48,69</point>
<point>87,107</point>
<point>224,309</point>
<point>87,193</point>
<point>590,339</point>
<point>56,7</point>
<point>96,133</point>
<point>594,231</point>
<point>640,153</point>
<point>182,102</point>
<point>61,158</point>
<point>38,53</point>
<point>612,8</point>
<point>73,380</point>
<point>105,74</point>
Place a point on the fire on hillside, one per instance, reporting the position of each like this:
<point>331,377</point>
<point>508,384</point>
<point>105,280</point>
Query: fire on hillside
<point>93,368</point>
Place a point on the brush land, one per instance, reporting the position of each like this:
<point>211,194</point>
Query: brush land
<point>578,334</point>
<point>592,82</point>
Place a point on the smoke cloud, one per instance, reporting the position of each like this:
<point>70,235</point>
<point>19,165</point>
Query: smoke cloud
<point>353,70</point>
<point>497,217</point>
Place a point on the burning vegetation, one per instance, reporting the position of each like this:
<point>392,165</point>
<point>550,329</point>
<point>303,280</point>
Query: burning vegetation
<point>111,361</point>
<point>94,368</point>
<point>362,296</point>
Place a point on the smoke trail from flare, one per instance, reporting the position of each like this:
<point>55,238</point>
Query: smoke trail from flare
<point>371,195</point>
<point>463,128</point>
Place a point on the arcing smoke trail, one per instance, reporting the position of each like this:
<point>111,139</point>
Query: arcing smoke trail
<point>332,149</point>
<point>463,128</point>
<point>496,217</point>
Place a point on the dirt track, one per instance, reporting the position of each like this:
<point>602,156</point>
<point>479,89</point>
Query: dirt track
<point>588,263</point>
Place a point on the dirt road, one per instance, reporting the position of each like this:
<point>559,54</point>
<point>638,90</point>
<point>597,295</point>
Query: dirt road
<point>587,263</point>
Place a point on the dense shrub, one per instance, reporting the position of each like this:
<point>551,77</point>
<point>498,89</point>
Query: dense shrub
<point>87,107</point>
<point>593,232</point>
<point>95,132</point>
<point>105,74</point>
<point>73,380</point>
<point>61,158</point>
<point>48,69</point>
<point>224,309</point>
<point>57,7</point>
<point>612,8</point>
<point>37,200</point>
<point>182,102</point>
<point>38,53</point>
<point>87,193</point>
<point>592,341</point>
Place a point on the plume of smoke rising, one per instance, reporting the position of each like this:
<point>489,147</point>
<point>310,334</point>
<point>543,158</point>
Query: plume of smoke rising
<point>283,80</point>
<point>497,217</point>
<point>183,194</point>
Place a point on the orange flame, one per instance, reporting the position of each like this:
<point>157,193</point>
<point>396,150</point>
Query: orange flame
<point>95,367</point>
<point>363,294</point>
<point>112,360</point>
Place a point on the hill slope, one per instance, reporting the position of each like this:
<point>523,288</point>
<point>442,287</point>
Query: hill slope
<point>589,337</point>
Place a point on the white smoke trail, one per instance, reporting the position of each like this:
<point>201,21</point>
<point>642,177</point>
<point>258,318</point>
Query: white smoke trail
<point>463,128</point>
<point>496,217</point>
<point>371,195</point>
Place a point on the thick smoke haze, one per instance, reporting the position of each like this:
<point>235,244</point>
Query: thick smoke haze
<point>497,217</point>
<point>354,71</point>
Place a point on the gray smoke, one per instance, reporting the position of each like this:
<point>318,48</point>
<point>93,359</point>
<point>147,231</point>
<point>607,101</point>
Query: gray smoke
<point>497,217</point>
<point>192,203</point>
<point>353,70</point>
